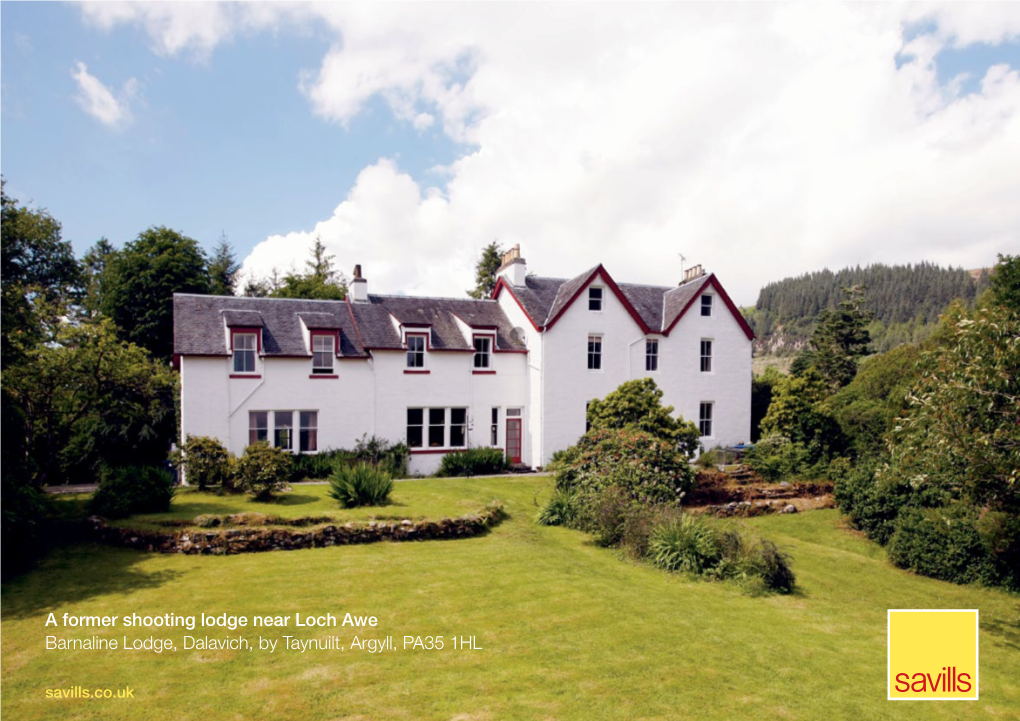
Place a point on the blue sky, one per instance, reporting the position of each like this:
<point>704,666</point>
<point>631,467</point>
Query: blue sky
<point>764,141</point>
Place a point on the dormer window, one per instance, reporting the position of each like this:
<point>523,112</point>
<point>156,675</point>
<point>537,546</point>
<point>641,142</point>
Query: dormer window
<point>595,299</point>
<point>483,352</point>
<point>323,353</point>
<point>415,351</point>
<point>706,304</point>
<point>244,346</point>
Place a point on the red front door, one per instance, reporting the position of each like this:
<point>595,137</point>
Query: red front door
<point>513,440</point>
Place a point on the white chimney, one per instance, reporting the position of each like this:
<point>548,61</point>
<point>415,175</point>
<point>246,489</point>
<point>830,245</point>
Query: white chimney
<point>359,287</point>
<point>514,268</point>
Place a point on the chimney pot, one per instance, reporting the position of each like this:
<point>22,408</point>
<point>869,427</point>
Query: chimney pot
<point>357,271</point>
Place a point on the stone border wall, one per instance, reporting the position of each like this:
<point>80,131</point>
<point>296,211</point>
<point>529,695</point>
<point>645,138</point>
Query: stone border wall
<point>257,540</point>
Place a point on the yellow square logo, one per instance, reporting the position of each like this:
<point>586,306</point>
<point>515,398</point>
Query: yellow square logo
<point>933,655</point>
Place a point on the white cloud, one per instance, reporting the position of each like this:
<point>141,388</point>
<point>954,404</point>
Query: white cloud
<point>761,140</point>
<point>100,102</point>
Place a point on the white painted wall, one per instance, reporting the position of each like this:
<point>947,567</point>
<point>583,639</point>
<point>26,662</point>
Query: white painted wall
<point>368,397</point>
<point>533,403</point>
<point>728,386</point>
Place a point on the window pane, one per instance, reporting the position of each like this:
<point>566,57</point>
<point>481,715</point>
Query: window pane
<point>284,429</point>
<point>458,416</point>
<point>309,419</point>
<point>706,304</point>
<point>414,436</point>
<point>594,299</point>
<point>457,436</point>
<point>258,426</point>
<point>415,416</point>
<point>482,348</point>
<point>309,440</point>
<point>437,416</point>
<point>436,436</point>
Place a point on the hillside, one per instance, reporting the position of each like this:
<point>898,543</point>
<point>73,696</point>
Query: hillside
<point>906,301</point>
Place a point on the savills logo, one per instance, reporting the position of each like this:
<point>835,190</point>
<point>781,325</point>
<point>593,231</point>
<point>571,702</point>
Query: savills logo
<point>933,655</point>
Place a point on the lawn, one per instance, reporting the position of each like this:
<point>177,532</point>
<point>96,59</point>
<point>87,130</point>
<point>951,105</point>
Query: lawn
<point>414,500</point>
<point>568,631</point>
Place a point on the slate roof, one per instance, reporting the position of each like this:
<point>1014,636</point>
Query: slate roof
<point>200,322</point>
<point>439,314</point>
<point>657,306</point>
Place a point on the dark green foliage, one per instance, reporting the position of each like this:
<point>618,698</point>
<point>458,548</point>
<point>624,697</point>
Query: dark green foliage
<point>223,268</point>
<point>961,433</point>
<point>90,399</point>
<point>205,462</point>
<point>129,490</point>
<point>559,511</point>
<point>765,563</point>
<point>762,388</point>
<point>485,271</point>
<point>648,469</point>
<point>378,452</point>
<point>474,462</point>
<point>140,283</point>
<point>840,338</point>
<point>1000,536</point>
<point>872,503</point>
<point>94,266</point>
<point>262,470</point>
<point>697,545</point>
<point>637,404</point>
<point>866,409</point>
<point>906,301</point>
<point>1005,283</point>
<point>942,543</point>
<point>777,458</point>
<point>360,485</point>
<point>39,276</point>
<point>321,281</point>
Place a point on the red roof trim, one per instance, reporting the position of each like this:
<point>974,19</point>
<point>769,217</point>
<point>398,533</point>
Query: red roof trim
<point>500,284</point>
<point>714,282</point>
<point>601,271</point>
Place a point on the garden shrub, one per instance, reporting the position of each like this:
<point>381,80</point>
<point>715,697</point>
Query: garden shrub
<point>262,470</point>
<point>776,458</point>
<point>1000,535</point>
<point>474,462</point>
<point>684,543</point>
<point>559,511</point>
<point>378,452</point>
<point>606,516</point>
<point>360,485</point>
<point>942,543</point>
<point>647,469</point>
<point>314,466</point>
<point>769,566</point>
<point>128,490</point>
<point>638,522</point>
<point>204,461</point>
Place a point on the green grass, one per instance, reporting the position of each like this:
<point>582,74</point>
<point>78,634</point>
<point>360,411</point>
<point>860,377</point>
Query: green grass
<point>569,631</point>
<point>434,499</point>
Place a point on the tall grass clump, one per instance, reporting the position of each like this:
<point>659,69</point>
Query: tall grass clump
<point>360,485</point>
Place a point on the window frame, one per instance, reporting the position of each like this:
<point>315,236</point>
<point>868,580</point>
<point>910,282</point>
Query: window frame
<point>256,351</point>
<point>312,429</point>
<point>442,426</point>
<point>494,429</point>
<point>254,428</point>
<point>595,356</point>
<point>597,296</point>
<point>486,355</point>
<point>708,419</point>
<point>463,428</point>
<point>709,306</point>
<point>288,428</point>
<point>332,336</point>
<point>652,358</point>
<point>706,358</point>
<point>420,425</point>
<point>417,353</point>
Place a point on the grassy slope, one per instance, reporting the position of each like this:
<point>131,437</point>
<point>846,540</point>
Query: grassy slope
<point>569,632</point>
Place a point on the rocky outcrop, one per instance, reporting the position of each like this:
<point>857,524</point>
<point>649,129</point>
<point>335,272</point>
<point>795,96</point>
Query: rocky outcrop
<point>250,539</point>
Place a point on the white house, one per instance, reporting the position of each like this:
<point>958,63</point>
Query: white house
<point>515,371</point>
